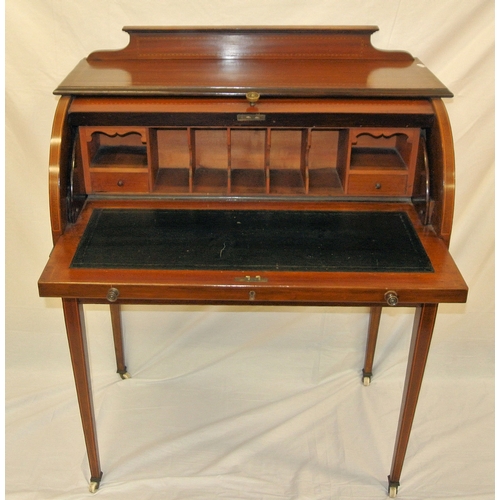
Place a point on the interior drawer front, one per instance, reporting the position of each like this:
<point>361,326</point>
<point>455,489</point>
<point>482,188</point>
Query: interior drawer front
<point>119,182</point>
<point>377,184</point>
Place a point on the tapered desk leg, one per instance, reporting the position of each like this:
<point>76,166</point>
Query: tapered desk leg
<point>375,313</point>
<point>75,329</point>
<point>116,323</point>
<point>423,327</point>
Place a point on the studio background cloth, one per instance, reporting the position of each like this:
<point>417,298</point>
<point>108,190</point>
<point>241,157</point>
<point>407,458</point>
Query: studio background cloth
<point>247,403</point>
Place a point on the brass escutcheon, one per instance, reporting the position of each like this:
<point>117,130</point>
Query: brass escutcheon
<point>250,278</point>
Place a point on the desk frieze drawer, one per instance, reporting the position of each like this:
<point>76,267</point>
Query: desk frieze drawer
<point>269,295</point>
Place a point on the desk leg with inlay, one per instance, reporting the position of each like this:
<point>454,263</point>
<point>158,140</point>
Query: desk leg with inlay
<point>373,327</point>
<point>116,323</point>
<point>425,317</point>
<point>75,329</point>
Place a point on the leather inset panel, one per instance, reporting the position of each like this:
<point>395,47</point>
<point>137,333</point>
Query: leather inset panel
<point>259,240</point>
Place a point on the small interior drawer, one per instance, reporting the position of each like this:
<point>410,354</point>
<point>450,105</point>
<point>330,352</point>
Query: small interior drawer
<point>119,182</point>
<point>377,184</point>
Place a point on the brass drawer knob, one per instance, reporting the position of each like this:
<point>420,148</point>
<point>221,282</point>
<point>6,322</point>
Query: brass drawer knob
<point>252,98</point>
<point>113,294</point>
<point>391,298</point>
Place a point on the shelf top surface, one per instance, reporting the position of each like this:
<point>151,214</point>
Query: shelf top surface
<point>282,62</point>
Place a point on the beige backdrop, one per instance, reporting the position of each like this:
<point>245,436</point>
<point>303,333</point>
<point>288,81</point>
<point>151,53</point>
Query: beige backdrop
<point>261,403</point>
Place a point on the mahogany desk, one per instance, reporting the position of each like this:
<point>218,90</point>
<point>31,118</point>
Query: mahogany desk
<point>290,166</point>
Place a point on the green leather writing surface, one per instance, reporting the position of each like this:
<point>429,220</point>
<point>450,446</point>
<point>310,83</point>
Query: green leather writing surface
<point>257,240</point>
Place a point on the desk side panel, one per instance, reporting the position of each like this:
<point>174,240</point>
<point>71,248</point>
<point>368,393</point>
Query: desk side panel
<point>59,160</point>
<point>442,162</point>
